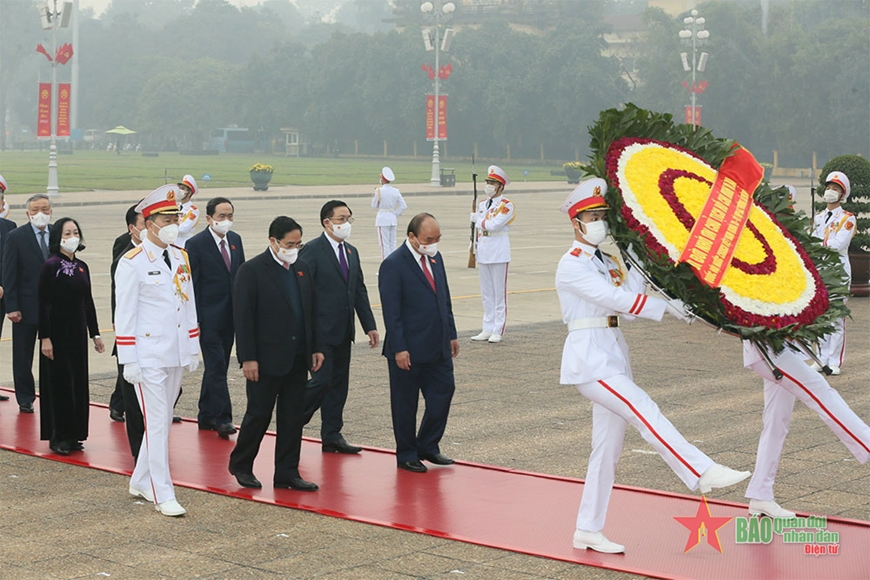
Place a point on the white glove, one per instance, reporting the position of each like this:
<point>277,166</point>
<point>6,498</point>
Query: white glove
<point>677,309</point>
<point>132,373</point>
<point>194,364</point>
<point>474,217</point>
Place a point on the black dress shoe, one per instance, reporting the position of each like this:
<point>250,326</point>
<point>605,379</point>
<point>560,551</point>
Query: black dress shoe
<point>61,448</point>
<point>4,398</point>
<point>26,408</point>
<point>206,426</point>
<point>116,415</point>
<point>176,419</point>
<point>827,370</point>
<point>248,480</point>
<point>414,466</point>
<point>296,483</point>
<point>437,459</point>
<point>340,446</point>
<point>225,430</point>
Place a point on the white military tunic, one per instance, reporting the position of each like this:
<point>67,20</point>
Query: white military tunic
<point>595,360</point>
<point>187,223</point>
<point>836,232</point>
<point>156,328</point>
<point>390,205</point>
<point>4,209</point>
<point>492,251</point>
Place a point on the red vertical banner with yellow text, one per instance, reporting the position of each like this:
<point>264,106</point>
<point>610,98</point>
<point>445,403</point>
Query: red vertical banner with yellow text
<point>63,93</point>
<point>43,111</point>
<point>430,117</point>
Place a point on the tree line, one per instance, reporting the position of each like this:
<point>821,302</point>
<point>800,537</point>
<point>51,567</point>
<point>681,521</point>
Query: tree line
<point>176,69</point>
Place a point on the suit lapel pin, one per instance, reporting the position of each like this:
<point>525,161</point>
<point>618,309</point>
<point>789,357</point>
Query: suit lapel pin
<point>300,274</point>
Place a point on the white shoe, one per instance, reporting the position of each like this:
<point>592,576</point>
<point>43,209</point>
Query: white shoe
<point>816,367</point>
<point>143,493</point>
<point>718,476</point>
<point>495,338</point>
<point>482,336</point>
<point>170,508</point>
<point>834,370</point>
<point>584,540</point>
<point>768,508</point>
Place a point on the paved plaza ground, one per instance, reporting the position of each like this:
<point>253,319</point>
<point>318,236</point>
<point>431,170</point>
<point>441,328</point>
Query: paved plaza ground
<point>63,521</point>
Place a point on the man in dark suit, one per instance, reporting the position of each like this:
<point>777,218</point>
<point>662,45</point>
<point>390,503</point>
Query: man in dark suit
<point>25,251</point>
<point>341,291</point>
<point>215,256</point>
<point>420,343</point>
<point>123,244</point>
<point>123,405</point>
<point>277,342</point>
<point>6,226</point>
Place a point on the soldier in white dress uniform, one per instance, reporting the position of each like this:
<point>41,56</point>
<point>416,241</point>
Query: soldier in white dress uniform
<point>835,227</point>
<point>157,336</point>
<point>492,249</point>
<point>4,207</point>
<point>189,212</point>
<point>595,294</point>
<point>390,205</point>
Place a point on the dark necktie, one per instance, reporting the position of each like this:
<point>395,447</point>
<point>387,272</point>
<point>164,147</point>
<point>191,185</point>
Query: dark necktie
<point>427,272</point>
<point>167,260</point>
<point>598,255</point>
<point>489,203</point>
<point>342,261</point>
<point>828,217</point>
<point>42,245</point>
<point>225,255</point>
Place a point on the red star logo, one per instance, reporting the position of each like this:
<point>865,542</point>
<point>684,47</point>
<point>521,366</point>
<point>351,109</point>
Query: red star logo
<point>703,524</point>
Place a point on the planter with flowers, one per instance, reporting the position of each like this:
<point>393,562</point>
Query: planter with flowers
<point>574,170</point>
<point>261,175</point>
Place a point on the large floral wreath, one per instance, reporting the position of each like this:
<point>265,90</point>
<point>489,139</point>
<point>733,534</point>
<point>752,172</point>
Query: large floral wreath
<point>781,285</point>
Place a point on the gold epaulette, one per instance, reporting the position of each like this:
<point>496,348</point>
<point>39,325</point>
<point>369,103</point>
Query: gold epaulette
<point>132,253</point>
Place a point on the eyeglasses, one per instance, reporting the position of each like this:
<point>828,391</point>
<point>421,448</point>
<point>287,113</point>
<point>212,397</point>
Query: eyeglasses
<point>297,246</point>
<point>341,220</point>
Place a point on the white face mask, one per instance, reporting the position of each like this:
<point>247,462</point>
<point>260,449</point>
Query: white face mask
<point>341,231</point>
<point>596,232</point>
<point>140,235</point>
<point>489,190</point>
<point>167,234</point>
<point>428,249</point>
<point>222,227</point>
<point>40,220</point>
<point>70,244</point>
<point>831,196</point>
<point>288,256</point>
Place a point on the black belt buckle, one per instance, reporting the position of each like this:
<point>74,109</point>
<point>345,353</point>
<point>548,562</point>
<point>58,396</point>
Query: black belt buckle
<point>612,322</point>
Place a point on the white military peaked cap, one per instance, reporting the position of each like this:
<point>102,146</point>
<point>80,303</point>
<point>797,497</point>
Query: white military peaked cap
<point>840,179</point>
<point>586,196</point>
<point>496,173</point>
<point>387,174</point>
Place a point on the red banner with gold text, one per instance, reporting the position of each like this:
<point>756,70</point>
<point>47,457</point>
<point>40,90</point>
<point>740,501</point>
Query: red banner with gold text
<point>43,111</point>
<point>430,117</point>
<point>63,96</point>
<point>713,239</point>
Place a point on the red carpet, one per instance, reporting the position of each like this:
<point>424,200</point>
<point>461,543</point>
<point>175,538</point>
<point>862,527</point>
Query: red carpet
<point>522,512</point>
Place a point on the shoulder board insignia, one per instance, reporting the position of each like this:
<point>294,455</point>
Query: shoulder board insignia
<point>848,213</point>
<point>133,252</point>
<point>576,252</point>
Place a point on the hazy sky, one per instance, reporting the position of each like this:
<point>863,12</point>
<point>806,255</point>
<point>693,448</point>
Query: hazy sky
<point>100,5</point>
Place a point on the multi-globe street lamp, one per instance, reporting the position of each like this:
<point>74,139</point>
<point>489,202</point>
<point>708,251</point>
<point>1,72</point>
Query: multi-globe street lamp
<point>439,12</point>
<point>694,35</point>
<point>53,19</point>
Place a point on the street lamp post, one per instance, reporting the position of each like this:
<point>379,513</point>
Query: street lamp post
<point>53,19</point>
<point>439,13</point>
<point>694,35</point>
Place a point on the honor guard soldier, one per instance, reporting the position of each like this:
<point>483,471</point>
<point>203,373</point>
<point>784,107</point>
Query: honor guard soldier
<point>157,336</point>
<point>189,212</point>
<point>595,293</point>
<point>492,222</point>
<point>4,207</point>
<point>390,205</point>
<point>835,227</point>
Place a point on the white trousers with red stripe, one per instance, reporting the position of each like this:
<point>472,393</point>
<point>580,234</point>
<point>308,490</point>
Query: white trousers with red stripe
<point>493,291</point>
<point>156,394</point>
<point>832,349</point>
<point>386,240</point>
<point>802,382</point>
<point>618,402</point>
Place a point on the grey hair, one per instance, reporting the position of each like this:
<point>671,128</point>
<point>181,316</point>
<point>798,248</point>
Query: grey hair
<point>37,197</point>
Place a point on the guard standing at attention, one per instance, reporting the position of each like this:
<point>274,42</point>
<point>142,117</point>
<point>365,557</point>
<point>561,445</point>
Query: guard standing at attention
<point>390,205</point>
<point>835,227</point>
<point>189,212</point>
<point>157,336</point>
<point>493,253</point>
<point>594,291</point>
